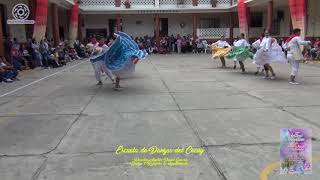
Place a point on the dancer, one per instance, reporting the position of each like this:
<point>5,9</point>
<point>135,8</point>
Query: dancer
<point>220,49</point>
<point>121,57</point>
<point>292,45</point>
<point>269,52</point>
<point>98,65</point>
<point>256,46</point>
<point>240,52</point>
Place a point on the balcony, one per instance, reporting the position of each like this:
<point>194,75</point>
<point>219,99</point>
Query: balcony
<point>216,33</point>
<point>154,5</point>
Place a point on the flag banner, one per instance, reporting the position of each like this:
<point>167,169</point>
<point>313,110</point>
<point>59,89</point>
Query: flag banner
<point>243,18</point>
<point>73,28</point>
<point>298,15</point>
<point>41,19</point>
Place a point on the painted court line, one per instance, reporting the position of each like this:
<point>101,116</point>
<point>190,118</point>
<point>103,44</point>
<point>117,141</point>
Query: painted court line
<point>36,81</point>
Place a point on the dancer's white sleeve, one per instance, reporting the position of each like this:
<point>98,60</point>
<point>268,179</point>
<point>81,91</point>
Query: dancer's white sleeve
<point>302,42</point>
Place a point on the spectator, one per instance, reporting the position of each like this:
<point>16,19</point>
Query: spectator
<point>315,51</point>
<point>7,49</point>
<point>8,72</point>
<point>199,45</point>
<point>36,53</point>
<point>44,53</point>
<point>179,44</point>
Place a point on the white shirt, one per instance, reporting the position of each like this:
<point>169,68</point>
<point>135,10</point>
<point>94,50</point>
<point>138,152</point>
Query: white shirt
<point>256,44</point>
<point>222,44</point>
<point>294,49</point>
<point>266,43</point>
<point>241,43</point>
<point>2,65</point>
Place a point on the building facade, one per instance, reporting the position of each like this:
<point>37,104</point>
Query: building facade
<point>206,19</point>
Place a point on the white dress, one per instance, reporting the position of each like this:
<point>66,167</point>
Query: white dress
<point>269,52</point>
<point>222,44</point>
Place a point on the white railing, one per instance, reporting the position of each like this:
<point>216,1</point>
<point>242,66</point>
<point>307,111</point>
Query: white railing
<point>100,4</point>
<point>178,3</point>
<point>219,3</point>
<point>140,2</point>
<point>97,3</point>
<point>213,33</point>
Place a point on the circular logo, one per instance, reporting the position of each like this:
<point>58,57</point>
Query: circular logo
<point>20,11</point>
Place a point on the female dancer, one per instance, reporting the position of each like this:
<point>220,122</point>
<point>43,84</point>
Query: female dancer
<point>240,52</point>
<point>220,49</point>
<point>269,52</point>
<point>122,56</point>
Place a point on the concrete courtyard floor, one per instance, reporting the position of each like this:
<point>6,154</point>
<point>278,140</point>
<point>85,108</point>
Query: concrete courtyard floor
<point>58,125</point>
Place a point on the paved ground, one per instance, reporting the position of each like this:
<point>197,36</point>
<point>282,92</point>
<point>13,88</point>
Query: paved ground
<point>63,127</point>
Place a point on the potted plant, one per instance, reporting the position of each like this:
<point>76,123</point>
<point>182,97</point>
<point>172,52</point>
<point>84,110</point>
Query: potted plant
<point>180,2</point>
<point>127,4</point>
<point>214,3</point>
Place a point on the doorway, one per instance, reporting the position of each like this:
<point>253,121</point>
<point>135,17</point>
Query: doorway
<point>163,26</point>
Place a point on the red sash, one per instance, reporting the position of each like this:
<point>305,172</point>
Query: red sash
<point>291,37</point>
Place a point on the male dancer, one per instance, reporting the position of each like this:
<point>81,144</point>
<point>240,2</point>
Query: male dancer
<point>292,45</point>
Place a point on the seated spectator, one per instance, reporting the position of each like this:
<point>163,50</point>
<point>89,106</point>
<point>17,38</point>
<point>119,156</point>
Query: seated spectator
<point>36,55</point>
<point>315,51</point>
<point>26,55</point>
<point>18,61</point>
<point>73,54</point>
<point>7,72</point>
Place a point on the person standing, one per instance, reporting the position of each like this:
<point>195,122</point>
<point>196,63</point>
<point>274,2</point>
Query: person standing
<point>292,45</point>
<point>179,44</point>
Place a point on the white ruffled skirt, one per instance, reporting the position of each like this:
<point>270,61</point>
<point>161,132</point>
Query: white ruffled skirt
<point>274,55</point>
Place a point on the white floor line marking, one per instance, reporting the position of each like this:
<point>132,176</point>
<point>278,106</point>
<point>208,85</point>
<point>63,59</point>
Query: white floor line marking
<point>36,81</point>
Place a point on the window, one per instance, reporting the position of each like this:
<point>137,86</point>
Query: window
<point>256,19</point>
<point>209,23</point>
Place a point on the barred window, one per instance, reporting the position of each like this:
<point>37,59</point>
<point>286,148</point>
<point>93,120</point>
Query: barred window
<point>209,23</point>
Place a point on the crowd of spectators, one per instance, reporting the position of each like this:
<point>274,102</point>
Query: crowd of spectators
<point>168,44</point>
<point>24,56</point>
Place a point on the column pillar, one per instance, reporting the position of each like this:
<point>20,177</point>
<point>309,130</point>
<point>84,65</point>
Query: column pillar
<point>249,22</point>
<point>1,38</point>
<point>194,28</point>
<point>80,23</point>
<point>231,23</point>
<point>270,15</point>
<point>157,23</point>
<point>118,22</point>
<point>55,24</point>
<point>41,20</point>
